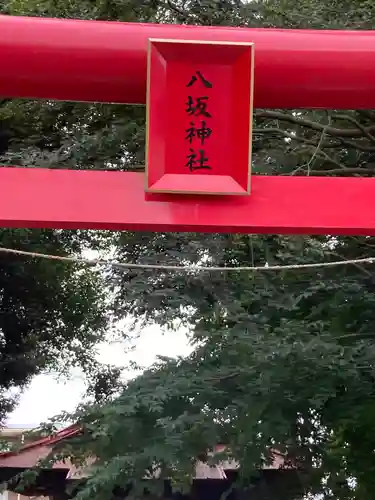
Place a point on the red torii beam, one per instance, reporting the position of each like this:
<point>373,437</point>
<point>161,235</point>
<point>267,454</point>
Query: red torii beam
<point>106,61</point>
<point>75,60</point>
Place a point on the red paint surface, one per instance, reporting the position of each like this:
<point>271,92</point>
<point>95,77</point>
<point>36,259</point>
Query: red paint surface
<point>106,61</point>
<point>115,200</point>
<point>197,89</point>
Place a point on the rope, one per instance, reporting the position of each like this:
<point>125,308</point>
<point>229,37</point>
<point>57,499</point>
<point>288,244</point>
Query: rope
<point>162,267</point>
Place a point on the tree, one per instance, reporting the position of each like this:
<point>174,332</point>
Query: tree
<point>51,315</point>
<point>281,359</point>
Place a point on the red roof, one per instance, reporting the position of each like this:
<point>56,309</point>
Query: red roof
<point>30,454</point>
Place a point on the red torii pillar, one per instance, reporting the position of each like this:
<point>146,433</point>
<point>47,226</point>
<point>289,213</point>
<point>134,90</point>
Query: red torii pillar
<point>106,61</point>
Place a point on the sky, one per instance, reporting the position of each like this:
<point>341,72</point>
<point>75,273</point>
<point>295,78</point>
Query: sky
<point>46,396</point>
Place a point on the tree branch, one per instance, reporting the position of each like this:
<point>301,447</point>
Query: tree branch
<point>177,10</point>
<point>344,170</point>
<point>326,144</point>
<point>333,131</point>
<point>364,130</point>
<point>284,133</point>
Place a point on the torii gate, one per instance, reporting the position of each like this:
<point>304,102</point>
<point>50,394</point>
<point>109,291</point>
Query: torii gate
<point>107,62</point>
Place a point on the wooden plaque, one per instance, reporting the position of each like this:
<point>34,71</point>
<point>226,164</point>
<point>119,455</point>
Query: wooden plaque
<point>199,117</point>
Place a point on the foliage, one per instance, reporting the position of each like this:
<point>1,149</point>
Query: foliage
<point>51,315</point>
<point>281,359</point>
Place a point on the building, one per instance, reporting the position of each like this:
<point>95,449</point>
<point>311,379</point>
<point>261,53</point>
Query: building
<point>209,482</point>
<point>10,434</point>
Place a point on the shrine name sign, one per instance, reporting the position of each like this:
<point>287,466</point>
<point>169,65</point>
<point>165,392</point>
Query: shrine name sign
<point>199,117</point>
